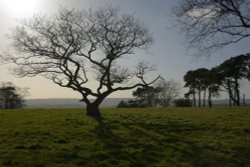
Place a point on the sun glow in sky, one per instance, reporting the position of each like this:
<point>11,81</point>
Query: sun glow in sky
<point>20,8</point>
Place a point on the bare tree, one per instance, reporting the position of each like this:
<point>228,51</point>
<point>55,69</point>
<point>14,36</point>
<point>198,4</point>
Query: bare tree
<point>209,25</point>
<point>162,93</point>
<point>168,90</point>
<point>73,48</point>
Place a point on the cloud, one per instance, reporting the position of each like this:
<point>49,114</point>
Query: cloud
<point>206,13</point>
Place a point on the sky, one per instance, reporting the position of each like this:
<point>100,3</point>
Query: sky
<point>168,52</point>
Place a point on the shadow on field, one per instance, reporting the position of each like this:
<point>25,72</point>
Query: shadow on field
<point>127,144</point>
<point>113,144</point>
<point>140,144</point>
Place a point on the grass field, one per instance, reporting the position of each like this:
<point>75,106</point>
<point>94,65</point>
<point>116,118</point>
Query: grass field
<point>127,137</point>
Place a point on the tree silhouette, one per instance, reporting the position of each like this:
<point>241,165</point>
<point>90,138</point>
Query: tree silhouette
<point>213,85</point>
<point>225,77</point>
<point>167,91</point>
<point>231,72</point>
<point>202,80</point>
<point>190,82</point>
<point>10,98</point>
<point>145,97</point>
<point>195,80</point>
<point>160,94</point>
<point>73,48</point>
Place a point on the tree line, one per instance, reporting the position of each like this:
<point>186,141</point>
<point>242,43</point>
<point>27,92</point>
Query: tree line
<point>203,84</point>
<point>161,94</point>
<point>208,26</point>
<point>207,83</point>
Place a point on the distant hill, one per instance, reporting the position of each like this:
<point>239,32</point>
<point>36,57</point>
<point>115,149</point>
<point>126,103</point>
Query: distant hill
<point>225,102</point>
<point>107,103</point>
<point>69,103</point>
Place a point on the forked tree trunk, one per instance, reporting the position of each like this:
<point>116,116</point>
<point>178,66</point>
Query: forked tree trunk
<point>93,107</point>
<point>93,111</point>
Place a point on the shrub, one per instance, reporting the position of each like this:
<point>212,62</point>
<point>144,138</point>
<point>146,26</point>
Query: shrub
<point>122,104</point>
<point>183,103</point>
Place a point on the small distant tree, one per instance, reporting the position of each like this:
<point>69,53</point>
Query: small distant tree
<point>11,96</point>
<point>145,97</point>
<point>160,94</point>
<point>183,103</point>
<point>167,91</point>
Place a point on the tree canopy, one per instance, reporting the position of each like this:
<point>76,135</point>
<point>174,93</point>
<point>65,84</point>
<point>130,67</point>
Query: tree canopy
<point>73,48</point>
<point>224,77</point>
<point>231,72</point>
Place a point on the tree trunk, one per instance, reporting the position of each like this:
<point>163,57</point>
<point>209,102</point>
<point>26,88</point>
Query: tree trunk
<point>93,107</point>
<point>194,99</point>
<point>230,102</point>
<point>237,92</point>
<point>93,111</point>
<point>244,100</point>
<point>199,96</point>
<point>6,105</point>
<point>229,93</point>
<point>210,98</point>
<point>234,98</point>
<point>204,98</point>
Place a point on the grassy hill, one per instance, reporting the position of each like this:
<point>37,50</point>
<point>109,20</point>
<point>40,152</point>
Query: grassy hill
<point>127,137</point>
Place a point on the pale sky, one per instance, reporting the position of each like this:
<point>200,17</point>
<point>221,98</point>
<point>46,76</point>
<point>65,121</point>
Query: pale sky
<point>168,52</point>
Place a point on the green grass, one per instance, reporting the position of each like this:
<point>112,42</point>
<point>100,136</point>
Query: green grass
<point>127,137</point>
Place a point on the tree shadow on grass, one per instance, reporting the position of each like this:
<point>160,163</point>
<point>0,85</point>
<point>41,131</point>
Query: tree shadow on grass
<point>135,145</point>
<point>169,144</point>
<point>121,147</point>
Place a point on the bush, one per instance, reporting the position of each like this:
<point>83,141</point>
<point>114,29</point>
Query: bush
<point>130,104</point>
<point>11,96</point>
<point>183,103</point>
<point>122,104</point>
